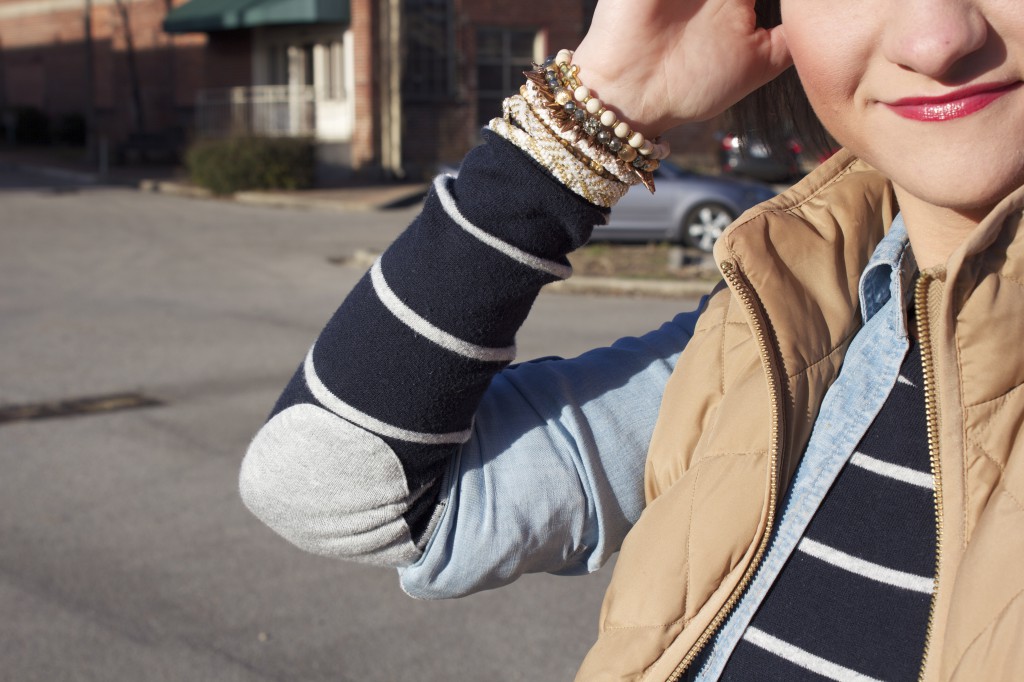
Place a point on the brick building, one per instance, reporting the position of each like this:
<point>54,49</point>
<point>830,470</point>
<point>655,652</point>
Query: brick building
<point>392,87</point>
<point>104,62</point>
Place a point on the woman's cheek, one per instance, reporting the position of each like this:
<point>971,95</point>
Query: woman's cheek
<point>832,102</point>
<point>831,51</point>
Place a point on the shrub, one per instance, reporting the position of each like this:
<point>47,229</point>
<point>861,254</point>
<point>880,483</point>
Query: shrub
<point>240,163</point>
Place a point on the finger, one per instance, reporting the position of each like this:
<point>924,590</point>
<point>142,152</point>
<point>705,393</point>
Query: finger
<point>778,57</point>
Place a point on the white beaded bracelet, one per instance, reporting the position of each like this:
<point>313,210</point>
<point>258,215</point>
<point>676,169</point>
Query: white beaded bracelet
<point>596,152</point>
<point>607,117</point>
<point>581,117</point>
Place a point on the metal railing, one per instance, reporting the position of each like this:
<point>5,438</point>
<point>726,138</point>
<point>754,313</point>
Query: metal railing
<point>271,110</point>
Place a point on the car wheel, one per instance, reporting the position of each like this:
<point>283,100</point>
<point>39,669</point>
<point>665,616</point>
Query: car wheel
<point>705,223</point>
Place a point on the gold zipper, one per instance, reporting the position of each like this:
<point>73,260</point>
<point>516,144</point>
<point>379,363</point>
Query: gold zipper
<point>931,416</point>
<point>746,295</point>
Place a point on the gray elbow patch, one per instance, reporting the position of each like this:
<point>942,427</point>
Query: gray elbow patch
<point>329,487</point>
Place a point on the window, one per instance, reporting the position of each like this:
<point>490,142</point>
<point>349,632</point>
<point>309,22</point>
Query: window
<point>328,72</point>
<point>336,71</point>
<point>429,71</point>
<point>277,65</point>
<point>502,54</point>
<point>308,64</point>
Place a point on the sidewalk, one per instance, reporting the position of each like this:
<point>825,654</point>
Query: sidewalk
<point>71,165</point>
<point>358,198</point>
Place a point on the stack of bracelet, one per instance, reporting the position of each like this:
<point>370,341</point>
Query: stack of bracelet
<point>592,154</point>
<point>575,137</point>
<point>580,117</point>
<point>522,127</point>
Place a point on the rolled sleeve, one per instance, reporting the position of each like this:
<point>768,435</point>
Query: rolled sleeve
<point>552,478</point>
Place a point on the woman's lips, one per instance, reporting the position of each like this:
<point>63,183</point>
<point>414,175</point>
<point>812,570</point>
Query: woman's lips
<point>951,106</point>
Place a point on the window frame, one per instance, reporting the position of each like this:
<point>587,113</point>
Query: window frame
<point>506,63</point>
<point>440,59</point>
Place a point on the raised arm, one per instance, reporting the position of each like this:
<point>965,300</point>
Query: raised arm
<point>359,456</point>
<point>395,444</point>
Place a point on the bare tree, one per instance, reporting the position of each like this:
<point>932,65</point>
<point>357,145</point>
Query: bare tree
<point>3,79</point>
<point>138,113</point>
<point>90,84</point>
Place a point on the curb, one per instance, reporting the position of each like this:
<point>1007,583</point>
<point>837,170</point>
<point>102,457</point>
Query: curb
<point>579,284</point>
<point>394,199</point>
<point>177,189</point>
<point>55,172</point>
<point>286,201</point>
<point>387,198</point>
<point>648,288</point>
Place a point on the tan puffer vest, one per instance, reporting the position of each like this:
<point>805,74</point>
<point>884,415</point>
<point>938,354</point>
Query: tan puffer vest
<point>739,407</point>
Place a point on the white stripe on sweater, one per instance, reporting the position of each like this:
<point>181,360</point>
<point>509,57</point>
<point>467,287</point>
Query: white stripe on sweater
<point>867,569</point>
<point>346,411</point>
<point>903,380</point>
<point>424,328</point>
<point>802,658</point>
<point>894,471</point>
<point>448,202</point>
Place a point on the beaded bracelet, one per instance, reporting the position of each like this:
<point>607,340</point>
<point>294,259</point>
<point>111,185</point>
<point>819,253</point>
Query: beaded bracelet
<point>597,156</point>
<point>651,148</point>
<point>576,111</point>
<point>523,128</point>
<point>559,71</point>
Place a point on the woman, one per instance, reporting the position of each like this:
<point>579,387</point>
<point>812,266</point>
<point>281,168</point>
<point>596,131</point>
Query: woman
<point>825,483</point>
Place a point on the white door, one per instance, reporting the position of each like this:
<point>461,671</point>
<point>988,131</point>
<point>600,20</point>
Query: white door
<point>331,84</point>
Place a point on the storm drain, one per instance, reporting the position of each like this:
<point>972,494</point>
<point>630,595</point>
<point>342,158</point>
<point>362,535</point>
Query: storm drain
<point>76,407</point>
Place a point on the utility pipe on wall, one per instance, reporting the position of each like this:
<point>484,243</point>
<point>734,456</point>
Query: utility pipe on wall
<point>391,88</point>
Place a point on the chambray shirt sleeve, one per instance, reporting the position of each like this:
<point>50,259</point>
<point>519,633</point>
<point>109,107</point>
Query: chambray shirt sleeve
<point>552,478</point>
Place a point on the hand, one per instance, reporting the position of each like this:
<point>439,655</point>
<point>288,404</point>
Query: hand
<point>661,63</point>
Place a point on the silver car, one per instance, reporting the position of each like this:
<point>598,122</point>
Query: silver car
<point>688,208</point>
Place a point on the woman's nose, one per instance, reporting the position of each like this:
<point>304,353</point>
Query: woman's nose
<point>931,36</point>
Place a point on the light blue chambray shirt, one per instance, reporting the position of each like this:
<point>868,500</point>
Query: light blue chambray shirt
<point>869,372</point>
<point>552,478</point>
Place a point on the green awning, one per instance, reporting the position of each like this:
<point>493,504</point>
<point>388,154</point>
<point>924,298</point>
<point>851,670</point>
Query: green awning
<point>204,16</point>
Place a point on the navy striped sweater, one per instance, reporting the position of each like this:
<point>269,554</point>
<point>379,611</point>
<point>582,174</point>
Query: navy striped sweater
<point>449,295</point>
<point>853,601</point>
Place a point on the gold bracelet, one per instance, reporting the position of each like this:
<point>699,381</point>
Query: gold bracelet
<point>531,135</point>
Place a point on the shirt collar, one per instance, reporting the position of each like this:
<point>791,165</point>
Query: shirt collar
<point>889,275</point>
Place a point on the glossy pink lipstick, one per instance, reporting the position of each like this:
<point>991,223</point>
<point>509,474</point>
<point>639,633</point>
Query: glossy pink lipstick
<point>953,105</point>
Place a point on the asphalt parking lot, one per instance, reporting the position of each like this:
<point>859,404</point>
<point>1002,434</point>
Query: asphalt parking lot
<point>126,553</point>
